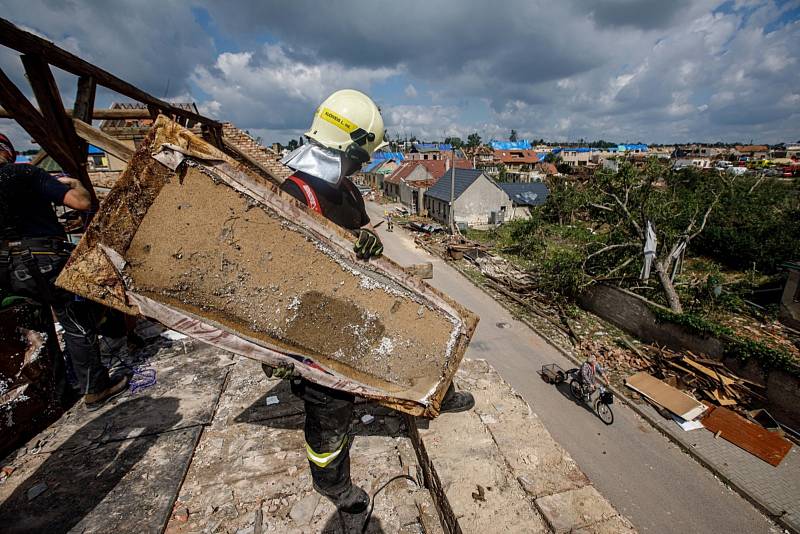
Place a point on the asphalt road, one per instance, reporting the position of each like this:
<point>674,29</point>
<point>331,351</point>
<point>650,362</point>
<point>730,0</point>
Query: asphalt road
<point>647,478</point>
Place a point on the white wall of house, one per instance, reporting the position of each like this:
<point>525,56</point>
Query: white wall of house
<point>482,197</point>
<point>519,212</point>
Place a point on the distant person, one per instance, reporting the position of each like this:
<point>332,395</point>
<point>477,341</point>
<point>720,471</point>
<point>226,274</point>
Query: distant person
<point>34,249</point>
<point>389,222</point>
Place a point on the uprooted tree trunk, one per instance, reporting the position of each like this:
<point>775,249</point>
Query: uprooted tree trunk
<point>669,288</point>
<point>663,266</point>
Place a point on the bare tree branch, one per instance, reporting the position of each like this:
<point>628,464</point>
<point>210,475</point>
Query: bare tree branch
<point>628,214</point>
<point>705,217</point>
<point>757,183</point>
<point>601,206</point>
<point>620,266</point>
<point>611,247</point>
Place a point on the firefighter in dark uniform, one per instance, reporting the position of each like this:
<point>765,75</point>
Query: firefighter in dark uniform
<point>34,249</point>
<point>346,130</point>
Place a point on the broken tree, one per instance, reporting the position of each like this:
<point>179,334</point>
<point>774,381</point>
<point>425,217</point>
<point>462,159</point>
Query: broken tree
<point>657,210</point>
<point>188,237</point>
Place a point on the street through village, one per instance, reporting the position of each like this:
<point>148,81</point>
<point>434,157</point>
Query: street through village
<point>646,477</point>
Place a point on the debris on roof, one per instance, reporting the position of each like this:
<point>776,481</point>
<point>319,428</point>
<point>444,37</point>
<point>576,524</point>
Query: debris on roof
<point>526,194</point>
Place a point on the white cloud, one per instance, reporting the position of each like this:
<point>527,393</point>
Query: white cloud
<point>622,70</point>
<point>277,88</point>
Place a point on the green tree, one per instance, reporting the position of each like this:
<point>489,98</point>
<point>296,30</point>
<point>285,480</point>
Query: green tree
<point>563,168</point>
<point>292,144</point>
<point>502,172</point>
<point>473,140</point>
<point>676,204</point>
<point>757,223</point>
<point>513,136</point>
<point>455,141</point>
<point>566,199</point>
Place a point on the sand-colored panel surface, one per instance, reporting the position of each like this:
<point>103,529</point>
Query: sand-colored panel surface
<point>212,252</point>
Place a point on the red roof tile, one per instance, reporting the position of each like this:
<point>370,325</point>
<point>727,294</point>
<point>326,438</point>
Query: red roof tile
<point>516,156</point>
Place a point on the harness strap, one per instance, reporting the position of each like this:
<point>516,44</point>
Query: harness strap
<point>311,197</point>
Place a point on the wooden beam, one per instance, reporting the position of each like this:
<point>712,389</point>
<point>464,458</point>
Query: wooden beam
<point>102,140</point>
<point>84,99</point>
<point>27,43</point>
<point>99,114</point>
<point>29,118</point>
<point>83,108</point>
<point>52,109</point>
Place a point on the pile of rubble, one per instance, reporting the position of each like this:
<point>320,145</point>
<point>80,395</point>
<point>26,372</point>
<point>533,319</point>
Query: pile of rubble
<point>613,356</point>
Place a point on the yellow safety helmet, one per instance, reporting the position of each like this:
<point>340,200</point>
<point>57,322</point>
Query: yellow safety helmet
<point>349,121</point>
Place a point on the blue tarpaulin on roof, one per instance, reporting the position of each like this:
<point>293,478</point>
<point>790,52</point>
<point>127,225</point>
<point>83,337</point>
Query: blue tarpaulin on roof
<point>524,144</point>
<point>371,165</point>
<point>93,150</point>
<point>381,155</point>
<point>22,159</point>
<point>433,146</point>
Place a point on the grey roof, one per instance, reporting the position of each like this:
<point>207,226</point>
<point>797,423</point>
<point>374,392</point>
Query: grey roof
<point>464,178</point>
<point>532,194</point>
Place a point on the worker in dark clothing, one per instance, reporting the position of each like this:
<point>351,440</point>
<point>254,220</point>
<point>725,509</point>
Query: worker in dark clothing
<point>34,249</point>
<point>346,130</point>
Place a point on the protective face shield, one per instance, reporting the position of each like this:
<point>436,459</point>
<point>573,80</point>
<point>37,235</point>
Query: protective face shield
<point>324,163</point>
<point>350,122</point>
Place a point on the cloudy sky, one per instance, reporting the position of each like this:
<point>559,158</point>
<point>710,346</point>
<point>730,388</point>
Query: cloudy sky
<point>622,70</point>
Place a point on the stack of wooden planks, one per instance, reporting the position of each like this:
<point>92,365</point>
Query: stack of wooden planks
<point>706,378</point>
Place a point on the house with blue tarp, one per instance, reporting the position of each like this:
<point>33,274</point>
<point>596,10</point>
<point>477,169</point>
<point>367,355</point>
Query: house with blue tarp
<point>433,151</point>
<point>373,173</point>
<point>522,144</point>
<point>97,159</point>
<point>382,155</point>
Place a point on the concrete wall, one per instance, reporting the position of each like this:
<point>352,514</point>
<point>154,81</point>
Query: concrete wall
<point>475,205</point>
<point>790,301</point>
<point>633,314</point>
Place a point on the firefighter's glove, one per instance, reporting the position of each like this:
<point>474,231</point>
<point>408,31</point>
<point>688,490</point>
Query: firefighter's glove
<point>282,371</point>
<point>368,245</point>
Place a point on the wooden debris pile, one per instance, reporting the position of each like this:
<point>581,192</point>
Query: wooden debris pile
<point>700,377</point>
<point>705,378</point>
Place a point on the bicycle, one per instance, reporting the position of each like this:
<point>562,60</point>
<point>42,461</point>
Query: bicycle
<point>602,405</point>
